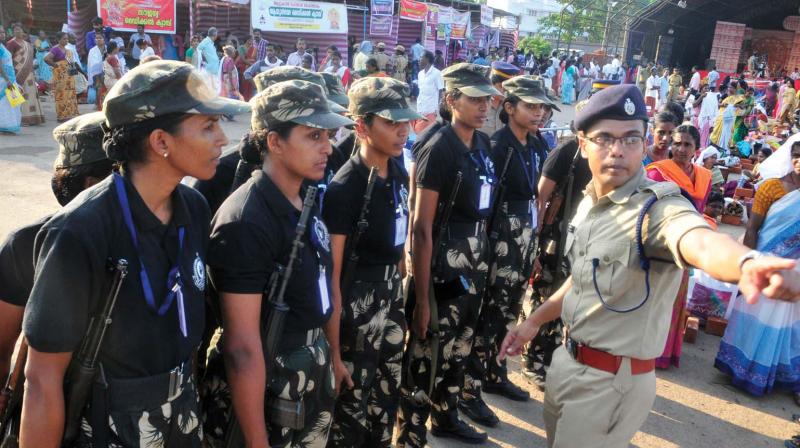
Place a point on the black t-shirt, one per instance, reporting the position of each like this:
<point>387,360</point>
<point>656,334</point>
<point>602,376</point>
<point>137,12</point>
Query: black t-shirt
<point>556,168</point>
<point>252,233</point>
<point>426,135</point>
<point>16,263</point>
<point>216,189</point>
<point>444,155</point>
<point>72,279</point>
<point>345,198</point>
<point>525,166</point>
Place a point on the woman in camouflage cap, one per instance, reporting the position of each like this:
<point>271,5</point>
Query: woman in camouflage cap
<point>161,124</point>
<point>518,152</point>
<point>456,148</point>
<point>251,239</point>
<point>368,351</point>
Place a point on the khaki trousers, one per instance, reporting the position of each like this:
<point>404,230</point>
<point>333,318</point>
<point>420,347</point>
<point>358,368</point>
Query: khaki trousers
<point>587,407</point>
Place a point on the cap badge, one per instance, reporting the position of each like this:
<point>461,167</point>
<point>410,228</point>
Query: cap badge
<point>630,108</point>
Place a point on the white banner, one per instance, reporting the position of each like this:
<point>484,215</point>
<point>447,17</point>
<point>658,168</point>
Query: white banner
<point>298,16</point>
<point>487,15</point>
<point>446,15</point>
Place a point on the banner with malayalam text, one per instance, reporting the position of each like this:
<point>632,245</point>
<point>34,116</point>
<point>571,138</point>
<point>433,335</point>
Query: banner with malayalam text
<point>458,29</point>
<point>382,7</point>
<point>298,16</point>
<point>157,16</point>
<point>380,25</point>
<point>414,11</point>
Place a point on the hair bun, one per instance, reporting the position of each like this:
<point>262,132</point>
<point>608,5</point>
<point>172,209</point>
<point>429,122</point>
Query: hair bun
<point>252,148</point>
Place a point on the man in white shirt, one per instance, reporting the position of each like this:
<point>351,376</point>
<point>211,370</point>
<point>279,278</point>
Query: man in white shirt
<point>94,62</point>
<point>135,52</point>
<point>431,87</point>
<point>713,78</point>
<point>145,49</point>
<point>610,72</point>
<point>296,58</point>
<point>615,62</point>
<point>795,74</point>
<point>694,83</point>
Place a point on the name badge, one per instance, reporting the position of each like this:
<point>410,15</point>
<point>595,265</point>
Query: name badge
<point>486,194</point>
<point>322,284</point>
<point>400,227</point>
<point>534,214</point>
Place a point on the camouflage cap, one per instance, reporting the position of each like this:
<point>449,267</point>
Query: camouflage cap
<point>529,90</point>
<point>289,72</point>
<point>469,79</point>
<point>335,88</point>
<point>384,97</point>
<point>163,87</point>
<point>80,141</point>
<point>295,101</point>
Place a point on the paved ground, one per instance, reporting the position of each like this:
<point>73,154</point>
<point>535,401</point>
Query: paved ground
<point>695,407</point>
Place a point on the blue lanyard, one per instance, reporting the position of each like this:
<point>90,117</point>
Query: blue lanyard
<point>482,163</point>
<point>174,282</point>
<point>530,176</point>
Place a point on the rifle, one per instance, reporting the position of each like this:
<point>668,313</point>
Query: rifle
<point>82,371</point>
<point>11,396</point>
<point>417,395</point>
<point>361,227</point>
<point>275,319</point>
<point>500,194</point>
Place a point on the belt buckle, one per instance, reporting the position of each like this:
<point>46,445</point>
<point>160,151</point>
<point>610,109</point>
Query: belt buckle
<point>175,382</point>
<point>572,347</point>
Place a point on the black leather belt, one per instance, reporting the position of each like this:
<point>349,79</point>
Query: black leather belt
<point>465,229</point>
<point>134,394</point>
<point>375,273</point>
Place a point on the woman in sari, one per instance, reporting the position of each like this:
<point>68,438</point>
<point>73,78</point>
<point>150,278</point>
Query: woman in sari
<point>568,83</point>
<point>722,135</point>
<point>246,53</point>
<point>42,45</point>
<point>112,71</point>
<point>9,116</point>
<point>229,75</point>
<point>743,110</point>
<point>63,82</point>
<point>696,181</point>
<point>23,55</point>
<point>759,349</point>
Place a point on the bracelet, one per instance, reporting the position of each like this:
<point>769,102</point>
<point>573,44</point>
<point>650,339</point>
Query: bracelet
<point>750,255</point>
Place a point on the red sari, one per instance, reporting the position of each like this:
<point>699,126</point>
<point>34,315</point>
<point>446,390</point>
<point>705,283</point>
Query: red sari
<point>245,86</point>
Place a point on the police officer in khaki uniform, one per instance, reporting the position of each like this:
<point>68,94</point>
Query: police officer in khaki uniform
<point>628,242</point>
<point>501,72</point>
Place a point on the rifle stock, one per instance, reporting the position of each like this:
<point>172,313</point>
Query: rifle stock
<point>82,372</point>
<point>274,321</point>
<point>361,227</point>
<point>11,396</point>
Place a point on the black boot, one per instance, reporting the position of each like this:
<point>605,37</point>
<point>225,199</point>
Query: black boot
<point>477,410</point>
<point>460,431</point>
<point>507,389</point>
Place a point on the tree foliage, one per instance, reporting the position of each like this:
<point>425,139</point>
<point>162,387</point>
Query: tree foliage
<point>586,19</point>
<point>537,45</point>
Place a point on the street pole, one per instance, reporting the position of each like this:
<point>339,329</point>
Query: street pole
<point>605,29</point>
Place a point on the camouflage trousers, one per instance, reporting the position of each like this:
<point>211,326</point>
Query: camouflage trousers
<point>508,278</point>
<point>371,341</point>
<point>458,316</point>
<point>540,350</point>
<point>303,372</point>
<point>173,423</point>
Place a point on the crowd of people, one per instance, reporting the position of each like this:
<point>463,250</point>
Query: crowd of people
<point>339,280</point>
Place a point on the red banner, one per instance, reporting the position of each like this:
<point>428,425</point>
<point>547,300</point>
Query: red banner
<point>411,10</point>
<point>157,16</point>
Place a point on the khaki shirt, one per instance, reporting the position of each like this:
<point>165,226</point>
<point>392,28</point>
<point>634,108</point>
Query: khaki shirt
<point>605,229</point>
<point>493,123</point>
<point>382,59</point>
<point>400,65</point>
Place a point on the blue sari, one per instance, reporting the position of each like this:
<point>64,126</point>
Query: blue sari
<point>568,85</point>
<point>43,71</point>
<point>10,117</point>
<point>759,350</point>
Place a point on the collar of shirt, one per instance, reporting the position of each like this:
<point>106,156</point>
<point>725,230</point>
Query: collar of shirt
<point>621,194</point>
<point>478,144</point>
<point>393,172</point>
<point>273,197</point>
<point>145,219</point>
